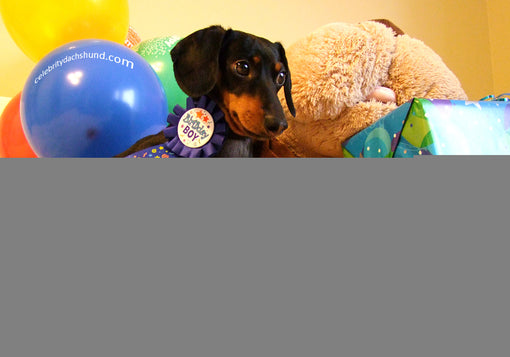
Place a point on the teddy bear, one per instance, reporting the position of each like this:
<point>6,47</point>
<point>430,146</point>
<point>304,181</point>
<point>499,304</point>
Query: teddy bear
<point>347,76</point>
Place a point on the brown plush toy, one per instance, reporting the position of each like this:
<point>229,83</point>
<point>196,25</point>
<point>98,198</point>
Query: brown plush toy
<point>347,76</point>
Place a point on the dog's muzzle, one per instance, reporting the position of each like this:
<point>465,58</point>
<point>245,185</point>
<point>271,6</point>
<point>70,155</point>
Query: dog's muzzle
<point>275,125</point>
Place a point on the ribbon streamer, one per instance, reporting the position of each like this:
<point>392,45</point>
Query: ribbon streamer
<point>504,97</point>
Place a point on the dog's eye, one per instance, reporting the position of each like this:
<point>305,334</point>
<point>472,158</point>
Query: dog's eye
<point>280,78</point>
<point>243,68</point>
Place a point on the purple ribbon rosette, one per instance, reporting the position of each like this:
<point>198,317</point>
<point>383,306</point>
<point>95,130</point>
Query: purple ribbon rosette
<point>196,131</point>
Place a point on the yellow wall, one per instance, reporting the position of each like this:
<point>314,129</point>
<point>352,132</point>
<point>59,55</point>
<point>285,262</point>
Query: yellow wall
<point>469,35</point>
<point>499,14</point>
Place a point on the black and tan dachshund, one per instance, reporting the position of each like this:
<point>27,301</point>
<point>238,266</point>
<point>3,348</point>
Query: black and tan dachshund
<point>242,73</point>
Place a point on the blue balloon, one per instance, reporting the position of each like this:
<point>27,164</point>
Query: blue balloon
<point>91,98</point>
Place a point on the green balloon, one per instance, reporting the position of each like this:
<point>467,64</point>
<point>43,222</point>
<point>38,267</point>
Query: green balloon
<point>156,51</point>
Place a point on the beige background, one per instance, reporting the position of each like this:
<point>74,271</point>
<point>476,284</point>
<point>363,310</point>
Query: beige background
<point>472,36</point>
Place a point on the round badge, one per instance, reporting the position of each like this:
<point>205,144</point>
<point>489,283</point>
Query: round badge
<point>197,131</point>
<point>196,128</point>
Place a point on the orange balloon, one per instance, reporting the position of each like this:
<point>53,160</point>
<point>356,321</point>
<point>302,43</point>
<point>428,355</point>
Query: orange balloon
<point>13,142</point>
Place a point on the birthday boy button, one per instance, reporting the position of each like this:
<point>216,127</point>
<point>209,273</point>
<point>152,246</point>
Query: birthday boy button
<point>196,128</point>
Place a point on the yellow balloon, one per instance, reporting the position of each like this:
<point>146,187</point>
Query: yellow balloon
<point>39,26</point>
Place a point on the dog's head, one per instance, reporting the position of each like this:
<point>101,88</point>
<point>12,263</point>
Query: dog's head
<point>242,73</point>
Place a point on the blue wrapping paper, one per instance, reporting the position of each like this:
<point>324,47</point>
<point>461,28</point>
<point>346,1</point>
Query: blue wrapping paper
<point>436,127</point>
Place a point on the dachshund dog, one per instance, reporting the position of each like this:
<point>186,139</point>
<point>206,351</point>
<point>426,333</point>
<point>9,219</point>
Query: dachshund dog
<point>242,73</point>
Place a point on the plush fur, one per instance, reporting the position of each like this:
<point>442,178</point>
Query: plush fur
<point>347,76</point>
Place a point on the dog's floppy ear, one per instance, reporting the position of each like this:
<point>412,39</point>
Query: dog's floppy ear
<point>195,60</point>
<point>287,87</point>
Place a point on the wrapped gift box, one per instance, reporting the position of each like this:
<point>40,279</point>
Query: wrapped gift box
<point>436,127</point>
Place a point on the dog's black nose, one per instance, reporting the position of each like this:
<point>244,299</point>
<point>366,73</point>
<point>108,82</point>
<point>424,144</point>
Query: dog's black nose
<point>275,125</point>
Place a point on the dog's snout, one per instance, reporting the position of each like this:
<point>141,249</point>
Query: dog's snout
<point>275,125</point>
